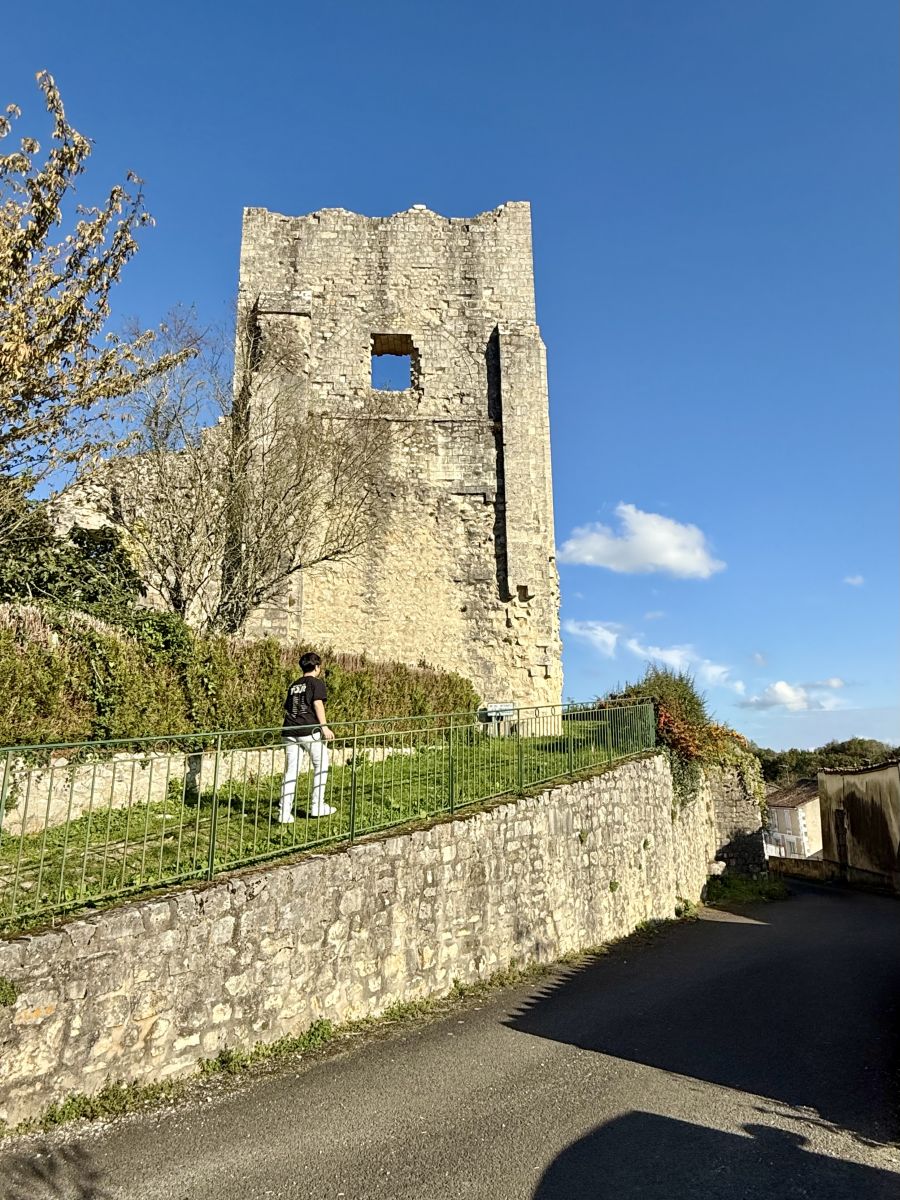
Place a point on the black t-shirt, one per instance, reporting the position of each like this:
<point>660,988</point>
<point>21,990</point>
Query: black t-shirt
<point>299,715</point>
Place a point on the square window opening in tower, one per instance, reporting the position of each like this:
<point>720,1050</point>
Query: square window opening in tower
<point>395,362</point>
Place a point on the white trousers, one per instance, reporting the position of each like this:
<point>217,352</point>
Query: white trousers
<point>317,749</point>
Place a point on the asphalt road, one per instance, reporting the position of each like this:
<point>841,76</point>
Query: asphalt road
<point>743,1055</point>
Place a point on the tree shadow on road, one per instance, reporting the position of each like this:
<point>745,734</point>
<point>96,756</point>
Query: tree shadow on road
<point>47,1172</point>
<point>642,1156</point>
<point>796,1001</point>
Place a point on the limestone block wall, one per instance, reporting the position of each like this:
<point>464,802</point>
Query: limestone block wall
<point>144,991</point>
<point>41,797</point>
<point>461,571</point>
<point>740,842</point>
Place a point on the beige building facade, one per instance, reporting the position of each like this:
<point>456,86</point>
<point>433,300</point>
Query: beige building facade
<point>794,822</point>
<point>461,570</point>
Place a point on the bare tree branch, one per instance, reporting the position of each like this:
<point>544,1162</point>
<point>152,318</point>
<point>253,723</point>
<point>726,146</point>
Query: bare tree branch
<point>230,487</point>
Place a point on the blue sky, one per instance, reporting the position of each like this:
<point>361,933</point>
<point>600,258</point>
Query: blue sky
<point>714,194</point>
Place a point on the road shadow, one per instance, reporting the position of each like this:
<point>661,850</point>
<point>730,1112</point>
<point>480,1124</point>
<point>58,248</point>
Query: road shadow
<point>642,1156</point>
<point>798,1001</point>
<point>47,1172</point>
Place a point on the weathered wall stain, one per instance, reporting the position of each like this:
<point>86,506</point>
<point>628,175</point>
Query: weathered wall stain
<point>866,803</point>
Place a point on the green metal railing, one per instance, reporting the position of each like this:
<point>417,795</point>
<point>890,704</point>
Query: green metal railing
<point>86,822</point>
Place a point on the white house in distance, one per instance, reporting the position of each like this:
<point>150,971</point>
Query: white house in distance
<point>795,822</point>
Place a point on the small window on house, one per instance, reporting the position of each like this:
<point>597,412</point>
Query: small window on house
<point>395,362</point>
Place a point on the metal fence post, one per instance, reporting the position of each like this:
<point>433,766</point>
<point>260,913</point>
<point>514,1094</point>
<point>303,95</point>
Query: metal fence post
<point>570,744</point>
<point>352,832</point>
<point>520,757</point>
<point>4,788</point>
<point>214,818</point>
<point>451,771</point>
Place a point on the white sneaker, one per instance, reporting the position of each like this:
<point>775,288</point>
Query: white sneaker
<point>322,810</point>
<point>285,818</point>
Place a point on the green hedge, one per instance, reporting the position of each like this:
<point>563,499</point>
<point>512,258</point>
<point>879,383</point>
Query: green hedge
<point>67,676</point>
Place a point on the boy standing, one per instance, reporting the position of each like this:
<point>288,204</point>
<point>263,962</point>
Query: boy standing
<point>305,728</point>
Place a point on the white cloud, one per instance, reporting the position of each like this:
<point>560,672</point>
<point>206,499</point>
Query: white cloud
<point>855,580</point>
<point>602,635</point>
<point>679,658</point>
<point>832,683</point>
<point>686,658</point>
<point>796,697</point>
<point>759,658</point>
<point>607,636</point>
<point>656,615</point>
<point>779,695</point>
<point>712,673</point>
<point>648,542</point>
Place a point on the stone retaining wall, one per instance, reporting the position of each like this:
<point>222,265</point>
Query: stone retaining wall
<point>804,868</point>
<point>826,871</point>
<point>142,992</point>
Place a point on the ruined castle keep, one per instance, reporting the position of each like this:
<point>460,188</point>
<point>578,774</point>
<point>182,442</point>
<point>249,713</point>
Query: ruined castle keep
<point>461,572</point>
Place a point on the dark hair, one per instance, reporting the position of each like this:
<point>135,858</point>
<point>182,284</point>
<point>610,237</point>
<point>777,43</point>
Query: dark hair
<point>309,661</point>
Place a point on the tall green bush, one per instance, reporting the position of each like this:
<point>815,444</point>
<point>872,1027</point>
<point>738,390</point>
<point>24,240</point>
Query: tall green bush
<point>675,691</point>
<point>690,738</point>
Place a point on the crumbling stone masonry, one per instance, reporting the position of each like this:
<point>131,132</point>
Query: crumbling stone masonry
<point>462,571</point>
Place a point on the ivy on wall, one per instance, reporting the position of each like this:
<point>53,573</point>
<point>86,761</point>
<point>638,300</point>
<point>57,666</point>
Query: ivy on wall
<point>691,739</point>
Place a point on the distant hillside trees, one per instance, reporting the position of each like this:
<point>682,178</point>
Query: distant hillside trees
<point>786,767</point>
<point>685,728</point>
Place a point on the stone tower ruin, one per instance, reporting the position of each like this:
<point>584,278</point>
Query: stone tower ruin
<point>462,571</point>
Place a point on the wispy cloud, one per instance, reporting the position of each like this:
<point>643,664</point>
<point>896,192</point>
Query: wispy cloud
<point>855,580</point>
<point>607,637</point>
<point>602,635</point>
<point>679,658</point>
<point>797,697</point>
<point>647,542</point>
<point>759,658</point>
<point>655,615</point>
<point>686,658</point>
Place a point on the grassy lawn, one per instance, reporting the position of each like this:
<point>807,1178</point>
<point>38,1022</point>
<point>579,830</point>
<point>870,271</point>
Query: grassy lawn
<point>189,834</point>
